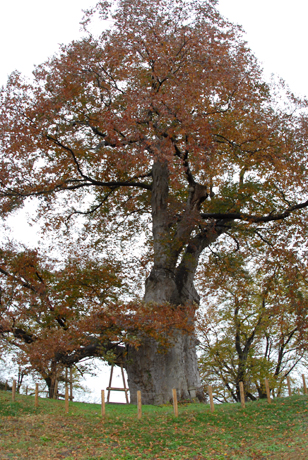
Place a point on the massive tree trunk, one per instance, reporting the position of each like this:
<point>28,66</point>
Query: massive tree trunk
<point>177,247</point>
<point>155,374</point>
<point>155,371</point>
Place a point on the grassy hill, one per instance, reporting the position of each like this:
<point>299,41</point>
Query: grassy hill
<point>278,431</point>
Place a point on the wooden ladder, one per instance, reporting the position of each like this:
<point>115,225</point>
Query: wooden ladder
<point>110,388</point>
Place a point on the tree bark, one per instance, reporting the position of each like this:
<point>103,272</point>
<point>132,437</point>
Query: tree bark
<point>51,379</point>
<point>51,383</point>
<point>156,372</point>
<point>153,372</point>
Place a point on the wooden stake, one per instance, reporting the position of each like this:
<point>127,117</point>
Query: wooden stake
<point>71,384</point>
<point>103,403</point>
<point>13,390</point>
<point>124,384</point>
<point>139,404</point>
<point>268,395</point>
<point>210,391</point>
<point>175,402</point>
<point>289,386</point>
<point>109,386</point>
<point>304,384</point>
<point>36,395</point>
<point>242,393</point>
<point>66,398</point>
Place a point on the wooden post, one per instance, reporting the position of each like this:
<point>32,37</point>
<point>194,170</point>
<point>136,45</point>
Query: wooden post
<point>66,398</point>
<point>242,393</point>
<point>268,395</point>
<point>139,404</point>
<point>210,391</point>
<point>109,386</point>
<point>124,384</point>
<point>36,395</point>
<point>103,403</point>
<point>26,390</point>
<point>71,384</point>
<point>304,384</point>
<point>175,402</point>
<point>289,386</point>
<point>13,390</point>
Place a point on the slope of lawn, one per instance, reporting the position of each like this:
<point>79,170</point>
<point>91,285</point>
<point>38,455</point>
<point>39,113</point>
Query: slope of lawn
<point>261,431</point>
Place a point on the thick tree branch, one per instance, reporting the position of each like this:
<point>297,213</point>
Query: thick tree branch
<point>253,218</point>
<point>89,180</point>
<point>19,280</point>
<point>94,349</point>
<point>41,293</point>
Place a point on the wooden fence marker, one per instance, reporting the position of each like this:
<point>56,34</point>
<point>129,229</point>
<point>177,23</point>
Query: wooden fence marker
<point>139,404</point>
<point>103,403</point>
<point>175,402</point>
<point>210,391</point>
<point>268,394</point>
<point>66,398</point>
<point>36,395</point>
<point>304,384</point>
<point>289,386</point>
<point>71,384</point>
<point>13,390</point>
<point>242,393</point>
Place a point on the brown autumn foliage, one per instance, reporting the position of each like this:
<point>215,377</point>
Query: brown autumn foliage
<point>55,314</point>
<point>162,127</point>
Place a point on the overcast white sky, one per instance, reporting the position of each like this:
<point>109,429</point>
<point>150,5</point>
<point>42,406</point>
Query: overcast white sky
<point>31,30</point>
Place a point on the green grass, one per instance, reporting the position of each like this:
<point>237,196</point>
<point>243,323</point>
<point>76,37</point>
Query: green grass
<point>261,431</point>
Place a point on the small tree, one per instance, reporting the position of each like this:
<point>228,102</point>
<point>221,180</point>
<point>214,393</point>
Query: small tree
<point>48,310</point>
<point>255,327</point>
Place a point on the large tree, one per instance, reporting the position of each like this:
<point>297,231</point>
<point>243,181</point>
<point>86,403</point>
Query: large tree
<point>162,127</point>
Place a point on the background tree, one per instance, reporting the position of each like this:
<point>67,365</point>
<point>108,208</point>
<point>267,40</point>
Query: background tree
<point>254,323</point>
<point>48,309</point>
<point>55,314</point>
<point>162,127</point>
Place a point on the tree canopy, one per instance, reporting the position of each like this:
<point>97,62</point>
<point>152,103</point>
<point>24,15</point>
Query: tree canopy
<point>172,82</point>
